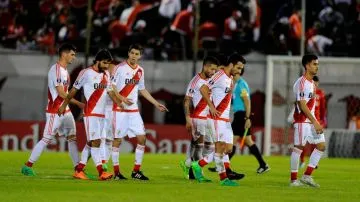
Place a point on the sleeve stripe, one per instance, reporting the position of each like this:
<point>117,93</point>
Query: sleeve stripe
<point>57,72</point>
<point>81,73</point>
<point>194,82</point>
<point>218,76</point>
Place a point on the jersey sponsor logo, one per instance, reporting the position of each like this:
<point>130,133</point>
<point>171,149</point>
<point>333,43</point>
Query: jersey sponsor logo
<point>191,90</point>
<point>99,86</point>
<point>211,82</point>
<point>58,80</point>
<point>302,94</point>
<point>131,81</point>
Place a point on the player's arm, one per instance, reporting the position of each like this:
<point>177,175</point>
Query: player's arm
<point>307,112</point>
<point>63,94</point>
<point>151,99</point>
<point>245,97</point>
<point>205,93</point>
<point>67,100</point>
<point>120,97</point>
<point>187,107</point>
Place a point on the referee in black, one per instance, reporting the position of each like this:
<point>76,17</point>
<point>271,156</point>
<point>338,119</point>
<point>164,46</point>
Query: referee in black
<point>242,119</point>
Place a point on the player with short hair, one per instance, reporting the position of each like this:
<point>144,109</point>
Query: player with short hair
<point>242,119</point>
<point>320,114</point>
<point>219,102</point>
<point>96,84</point>
<point>307,128</point>
<point>129,79</point>
<point>58,84</point>
<point>196,111</point>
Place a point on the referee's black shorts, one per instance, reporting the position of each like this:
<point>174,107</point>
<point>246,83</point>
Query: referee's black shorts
<point>238,124</point>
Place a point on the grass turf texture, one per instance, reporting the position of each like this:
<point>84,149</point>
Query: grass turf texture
<point>339,180</point>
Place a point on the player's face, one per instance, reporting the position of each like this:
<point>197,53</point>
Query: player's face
<point>70,56</point>
<point>210,70</point>
<point>237,68</point>
<point>313,67</point>
<point>104,65</point>
<point>134,56</point>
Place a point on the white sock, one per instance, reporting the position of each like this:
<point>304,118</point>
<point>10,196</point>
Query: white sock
<point>315,158</point>
<point>95,154</point>
<point>38,149</point>
<point>208,149</point>
<point>198,153</point>
<point>85,154</point>
<point>295,158</point>
<point>209,158</point>
<point>73,152</point>
<point>139,154</point>
<point>220,168</point>
<point>115,155</point>
<point>102,150</point>
<point>108,150</point>
<point>189,154</point>
<point>226,158</point>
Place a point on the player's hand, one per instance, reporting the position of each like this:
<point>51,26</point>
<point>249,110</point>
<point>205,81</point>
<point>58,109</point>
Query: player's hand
<point>318,128</point>
<point>214,113</point>
<point>161,107</point>
<point>127,101</point>
<point>81,105</point>
<point>61,110</point>
<point>247,124</point>
<point>189,125</point>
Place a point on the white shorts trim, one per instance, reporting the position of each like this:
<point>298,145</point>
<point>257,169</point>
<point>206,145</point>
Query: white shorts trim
<point>305,132</point>
<point>93,127</point>
<point>127,124</point>
<point>221,131</point>
<point>62,125</point>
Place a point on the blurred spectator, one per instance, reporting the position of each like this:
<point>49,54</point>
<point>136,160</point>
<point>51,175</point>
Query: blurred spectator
<point>46,41</point>
<point>23,44</point>
<point>4,4</point>
<point>116,7</point>
<point>317,44</point>
<point>295,32</point>
<point>230,27</point>
<point>254,18</point>
<point>169,8</point>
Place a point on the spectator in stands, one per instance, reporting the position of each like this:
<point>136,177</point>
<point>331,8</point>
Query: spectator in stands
<point>295,32</point>
<point>230,28</point>
<point>317,44</point>
<point>169,8</point>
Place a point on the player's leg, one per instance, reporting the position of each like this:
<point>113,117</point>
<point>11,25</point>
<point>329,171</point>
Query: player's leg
<point>84,157</point>
<point>186,165</point>
<point>136,128</point>
<point>68,129</point>
<point>299,142</point>
<point>115,159</point>
<point>51,127</point>
<point>302,159</point>
<point>232,175</point>
<point>120,126</point>
<point>315,157</point>
<point>254,150</point>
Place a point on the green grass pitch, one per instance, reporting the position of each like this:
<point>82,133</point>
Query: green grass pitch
<point>339,180</point>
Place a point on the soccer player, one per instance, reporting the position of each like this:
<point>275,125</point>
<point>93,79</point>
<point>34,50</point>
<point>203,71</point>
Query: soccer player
<point>129,79</point>
<point>242,119</point>
<point>96,85</point>
<point>219,102</point>
<point>58,84</point>
<point>196,111</point>
<point>307,128</point>
<point>320,114</point>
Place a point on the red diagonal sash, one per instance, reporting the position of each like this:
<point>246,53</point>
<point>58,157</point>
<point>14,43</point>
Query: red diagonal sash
<point>94,98</point>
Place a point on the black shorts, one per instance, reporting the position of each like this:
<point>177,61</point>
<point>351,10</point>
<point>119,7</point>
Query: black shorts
<point>238,124</point>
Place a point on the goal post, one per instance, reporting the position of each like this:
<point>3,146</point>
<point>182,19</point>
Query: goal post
<point>339,77</point>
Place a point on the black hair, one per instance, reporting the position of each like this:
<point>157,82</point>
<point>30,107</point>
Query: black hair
<point>66,47</point>
<point>235,58</point>
<point>222,58</point>
<point>210,60</point>
<point>136,47</point>
<point>316,79</point>
<point>306,59</point>
<point>103,54</point>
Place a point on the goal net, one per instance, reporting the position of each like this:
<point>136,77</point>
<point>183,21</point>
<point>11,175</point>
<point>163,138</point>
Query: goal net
<point>340,80</point>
